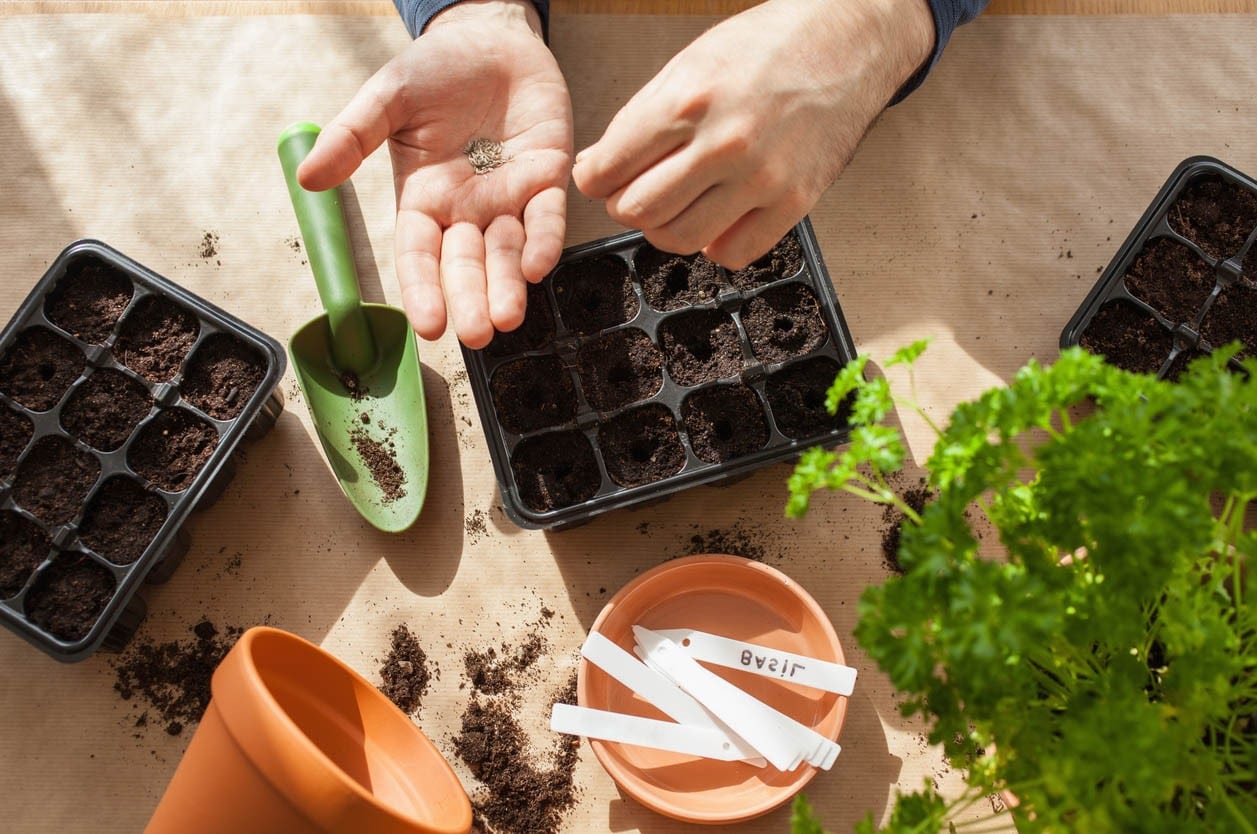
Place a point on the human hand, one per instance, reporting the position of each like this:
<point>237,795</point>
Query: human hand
<point>465,242</point>
<point>737,137</point>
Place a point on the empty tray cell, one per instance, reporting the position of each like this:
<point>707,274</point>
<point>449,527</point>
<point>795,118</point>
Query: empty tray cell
<point>797,394</point>
<point>619,368</point>
<point>532,393</point>
<point>172,448</point>
<point>15,432</point>
<point>783,261</point>
<point>1171,278</point>
<point>54,479</point>
<point>69,595</point>
<point>89,299</point>
<point>671,282</point>
<point>536,332</point>
<point>701,346</point>
<point>1215,214</point>
<point>641,446</point>
<point>121,520</point>
<point>556,469</point>
<point>594,293</point>
<point>724,422</point>
<point>23,547</point>
<point>1233,317</point>
<point>1127,337</point>
<point>38,368</point>
<point>222,375</point>
<point>105,409</point>
<point>155,338</point>
<point>784,322</point>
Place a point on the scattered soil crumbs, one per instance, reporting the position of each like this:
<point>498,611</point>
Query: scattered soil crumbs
<point>484,155</point>
<point>381,459</point>
<point>738,540</point>
<point>494,674</point>
<point>171,681</point>
<point>404,671</point>
<point>915,497</point>
<point>209,245</point>
<point>475,526</point>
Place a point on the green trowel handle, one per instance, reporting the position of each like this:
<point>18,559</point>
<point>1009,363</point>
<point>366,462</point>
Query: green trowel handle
<point>322,220</point>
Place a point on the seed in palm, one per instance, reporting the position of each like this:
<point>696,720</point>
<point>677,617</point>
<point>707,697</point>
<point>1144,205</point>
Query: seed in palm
<point>484,155</point>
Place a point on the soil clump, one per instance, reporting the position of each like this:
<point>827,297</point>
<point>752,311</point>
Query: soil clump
<point>404,672</point>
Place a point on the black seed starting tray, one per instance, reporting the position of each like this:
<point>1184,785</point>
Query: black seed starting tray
<point>1178,287</point>
<point>122,399</point>
<point>638,373</point>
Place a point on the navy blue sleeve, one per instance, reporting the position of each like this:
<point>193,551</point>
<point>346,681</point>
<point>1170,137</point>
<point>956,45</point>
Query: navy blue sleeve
<point>948,14</point>
<point>416,14</point>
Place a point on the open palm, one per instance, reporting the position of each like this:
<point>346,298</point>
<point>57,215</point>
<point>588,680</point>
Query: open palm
<point>466,242</point>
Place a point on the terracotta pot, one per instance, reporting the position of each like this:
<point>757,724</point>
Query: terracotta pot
<point>295,741</point>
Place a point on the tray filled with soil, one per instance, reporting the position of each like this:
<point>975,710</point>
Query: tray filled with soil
<point>637,373</point>
<point>1181,283</point>
<point>123,398</point>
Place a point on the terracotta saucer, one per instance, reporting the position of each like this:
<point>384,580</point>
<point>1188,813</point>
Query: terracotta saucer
<point>732,597</point>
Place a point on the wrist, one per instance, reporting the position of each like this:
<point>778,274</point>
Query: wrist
<point>511,13</point>
<point>910,31</point>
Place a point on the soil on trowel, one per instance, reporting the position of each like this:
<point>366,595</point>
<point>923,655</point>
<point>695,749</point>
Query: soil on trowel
<point>155,338</point>
<point>89,300</point>
<point>404,672</point>
<point>69,595</point>
<point>380,458</point>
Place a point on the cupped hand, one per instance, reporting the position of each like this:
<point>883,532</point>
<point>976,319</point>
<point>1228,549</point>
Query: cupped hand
<point>466,242</point>
<point>737,137</point>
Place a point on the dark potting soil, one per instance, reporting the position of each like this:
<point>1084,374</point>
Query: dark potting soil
<point>121,520</point>
<point>354,386</point>
<point>15,432</point>
<point>555,469</point>
<point>736,540</point>
<point>38,368</point>
<point>380,458</point>
<point>1171,278</point>
<point>701,346</point>
<point>641,446</point>
<point>54,479</point>
<point>782,261</point>
<point>222,375</point>
<point>893,518</point>
<point>619,368</point>
<point>594,294</point>
<point>796,397</point>
<point>1127,337</point>
<point>671,282</point>
<point>69,595</point>
<point>172,679</point>
<point>784,322</point>
<point>23,546</point>
<point>404,673</point>
<point>172,448</point>
<point>1215,214</point>
<point>105,409</point>
<point>495,673</point>
<point>1180,363</point>
<point>524,792</point>
<point>724,422</point>
<point>155,337</point>
<point>537,331</point>
<point>533,392</point>
<point>89,300</point>
<point>1233,317</point>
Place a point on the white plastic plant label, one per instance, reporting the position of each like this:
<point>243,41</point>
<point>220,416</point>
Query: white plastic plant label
<point>686,739</point>
<point>761,660</point>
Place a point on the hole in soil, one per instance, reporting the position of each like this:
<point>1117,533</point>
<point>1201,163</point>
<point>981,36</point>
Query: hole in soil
<point>554,470</point>
<point>23,547</point>
<point>536,332</point>
<point>700,346</point>
<point>1171,278</point>
<point>155,337</point>
<point>533,393</point>
<point>68,596</point>
<point>783,322</point>
<point>1127,337</point>
<point>678,280</point>
<point>54,479</point>
<point>172,448</point>
<point>796,394</point>
<point>105,409</point>
<point>619,368</point>
<point>121,520</point>
<point>594,294</point>
<point>222,376</point>
<point>671,282</point>
<point>89,300</point>
<point>724,422</point>
<point>38,368</point>
<point>1216,214</point>
<point>782,261</point>
<point>641,446</point>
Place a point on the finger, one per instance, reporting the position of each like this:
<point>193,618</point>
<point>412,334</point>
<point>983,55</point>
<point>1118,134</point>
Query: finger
<point>752,235</point>
<point>704,220</point>
<point>545,225</point>
<point>352,136</point>
<point>663,191</point>
<point>418,248</point>
<point>463,279</point>
<point>638,137</point>
<point>503,248</point>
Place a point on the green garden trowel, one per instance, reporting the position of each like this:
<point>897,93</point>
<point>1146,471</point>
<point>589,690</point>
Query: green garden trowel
<point>357,364</point>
